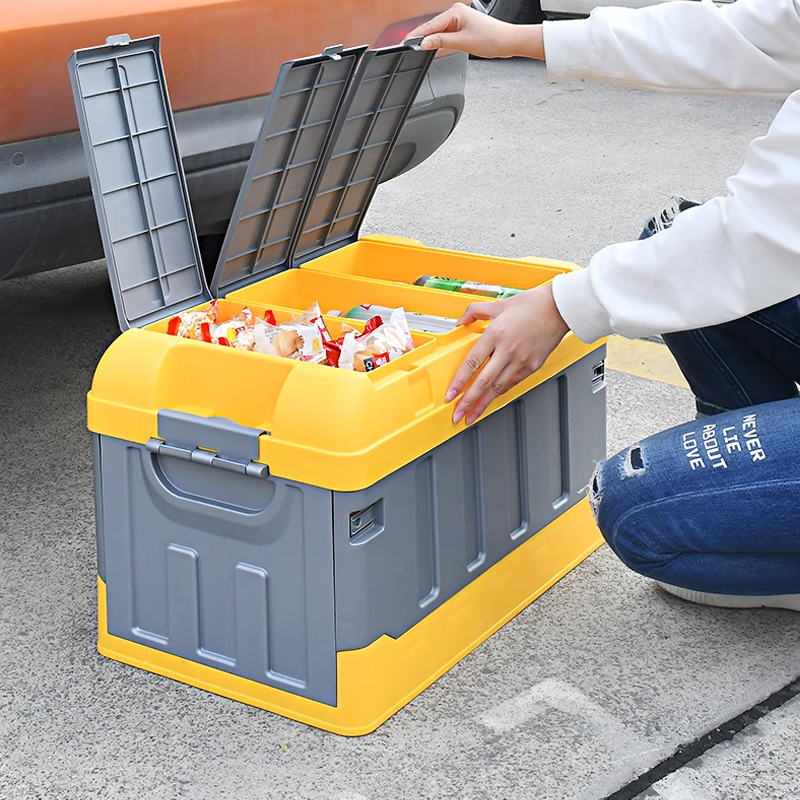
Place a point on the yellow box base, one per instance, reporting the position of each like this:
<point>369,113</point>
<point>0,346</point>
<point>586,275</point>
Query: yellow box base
<point>376,681</point>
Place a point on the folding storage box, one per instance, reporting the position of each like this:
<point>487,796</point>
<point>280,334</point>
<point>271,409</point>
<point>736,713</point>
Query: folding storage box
<point>313,541</point>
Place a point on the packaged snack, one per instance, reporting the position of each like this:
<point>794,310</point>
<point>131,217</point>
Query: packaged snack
<point>205,325</point>
<point>227,331</point>
<point>424,323</point>
<point>313,316</point>
<point>333,349</point>
<point>378,345</point>
<point>303,339</point>
<point>245,340</point>
<point>189,325</point>
<point>296,340</point>
<point>467,287</point>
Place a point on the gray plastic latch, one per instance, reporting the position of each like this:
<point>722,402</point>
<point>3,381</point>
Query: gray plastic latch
<point>599,376</point>
<point>334,51</point>
<point>367,523</point>
<point>119,39</point>
<point>414,43</point>
<point>212,441</point>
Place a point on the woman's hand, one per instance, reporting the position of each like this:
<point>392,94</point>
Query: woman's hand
<point>525,329</point>
<point>464,28</point>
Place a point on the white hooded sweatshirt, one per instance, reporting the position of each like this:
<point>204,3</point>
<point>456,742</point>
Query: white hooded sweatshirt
<point>734,254</point>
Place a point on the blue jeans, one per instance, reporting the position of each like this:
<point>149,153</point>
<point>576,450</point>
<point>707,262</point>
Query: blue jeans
<point>747,362</point>
<point>714,505</point>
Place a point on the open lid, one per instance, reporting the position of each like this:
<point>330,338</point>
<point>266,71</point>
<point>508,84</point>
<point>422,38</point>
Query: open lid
<point>137,179</point>
<point>305,194</point>
<point>302,112</point>
<point>381,98</point>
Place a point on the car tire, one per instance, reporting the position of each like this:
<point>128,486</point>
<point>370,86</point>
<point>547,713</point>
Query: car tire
<point>518,12</point>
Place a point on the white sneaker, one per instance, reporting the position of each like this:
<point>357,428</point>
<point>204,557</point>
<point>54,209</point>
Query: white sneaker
<point>788,601</point>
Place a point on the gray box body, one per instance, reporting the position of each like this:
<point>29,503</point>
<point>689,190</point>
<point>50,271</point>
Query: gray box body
<point>268,578</point>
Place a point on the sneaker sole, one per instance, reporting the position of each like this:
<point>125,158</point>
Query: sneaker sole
<point>790,602</point>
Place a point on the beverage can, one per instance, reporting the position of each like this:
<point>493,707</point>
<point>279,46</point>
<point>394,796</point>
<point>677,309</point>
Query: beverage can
<point>467,287</point>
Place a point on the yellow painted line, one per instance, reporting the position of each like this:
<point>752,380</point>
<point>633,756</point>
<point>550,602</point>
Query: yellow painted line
<point>648,360</point>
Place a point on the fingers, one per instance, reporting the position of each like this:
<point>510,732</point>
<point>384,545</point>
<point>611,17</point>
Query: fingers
<point>484,383</point>
<point>434,30</point>
<point>465,28</point>
<point>525,330</point>
<point>518,378</point>
<point>481,350</point>
<point>440,22</point>
<point>481,311</point>
<point>499,385</point>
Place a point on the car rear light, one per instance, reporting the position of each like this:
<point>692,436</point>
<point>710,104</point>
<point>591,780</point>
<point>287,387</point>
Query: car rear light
<point>397,33</point>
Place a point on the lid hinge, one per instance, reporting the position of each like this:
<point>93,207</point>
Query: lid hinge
<point>207,458</point>
<point>211,441</point>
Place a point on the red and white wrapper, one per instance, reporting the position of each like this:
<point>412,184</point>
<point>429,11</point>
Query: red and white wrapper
<point>378,345</point>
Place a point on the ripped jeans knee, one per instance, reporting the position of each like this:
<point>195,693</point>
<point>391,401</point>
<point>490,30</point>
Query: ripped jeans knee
<point>626,493</point>
<point>629,463</point>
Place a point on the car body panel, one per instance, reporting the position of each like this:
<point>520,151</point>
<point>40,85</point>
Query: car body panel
<point>214,51</point>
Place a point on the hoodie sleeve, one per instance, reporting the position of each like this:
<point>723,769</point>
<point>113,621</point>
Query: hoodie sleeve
<point>719,261</point>
<point>737,253</point>
<point>746,48</point>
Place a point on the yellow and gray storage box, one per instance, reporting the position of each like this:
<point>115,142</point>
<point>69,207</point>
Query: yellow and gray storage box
<point>314,541</point>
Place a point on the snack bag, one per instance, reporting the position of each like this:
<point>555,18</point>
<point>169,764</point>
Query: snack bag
<point>244,340</point>
<point>333,348</point>
<point>313,316</point>
<point>204,325</point>
<point>378,345</point>
<point>296,340</point>
<point>189,325</point>
<point>237,332</point>
<point>225,333</point>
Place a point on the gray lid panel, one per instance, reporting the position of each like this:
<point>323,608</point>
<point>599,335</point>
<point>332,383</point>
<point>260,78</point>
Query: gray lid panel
<point>381,97</point>
<point>286,157</point>
<point>137,180</point>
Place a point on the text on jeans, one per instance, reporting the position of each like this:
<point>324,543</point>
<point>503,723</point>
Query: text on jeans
<point>712,448</point>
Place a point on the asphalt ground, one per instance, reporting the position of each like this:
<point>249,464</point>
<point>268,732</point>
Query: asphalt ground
<point>602,688</point>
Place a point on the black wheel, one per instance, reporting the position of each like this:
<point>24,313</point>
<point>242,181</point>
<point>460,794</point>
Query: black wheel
<point>520,12</point>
